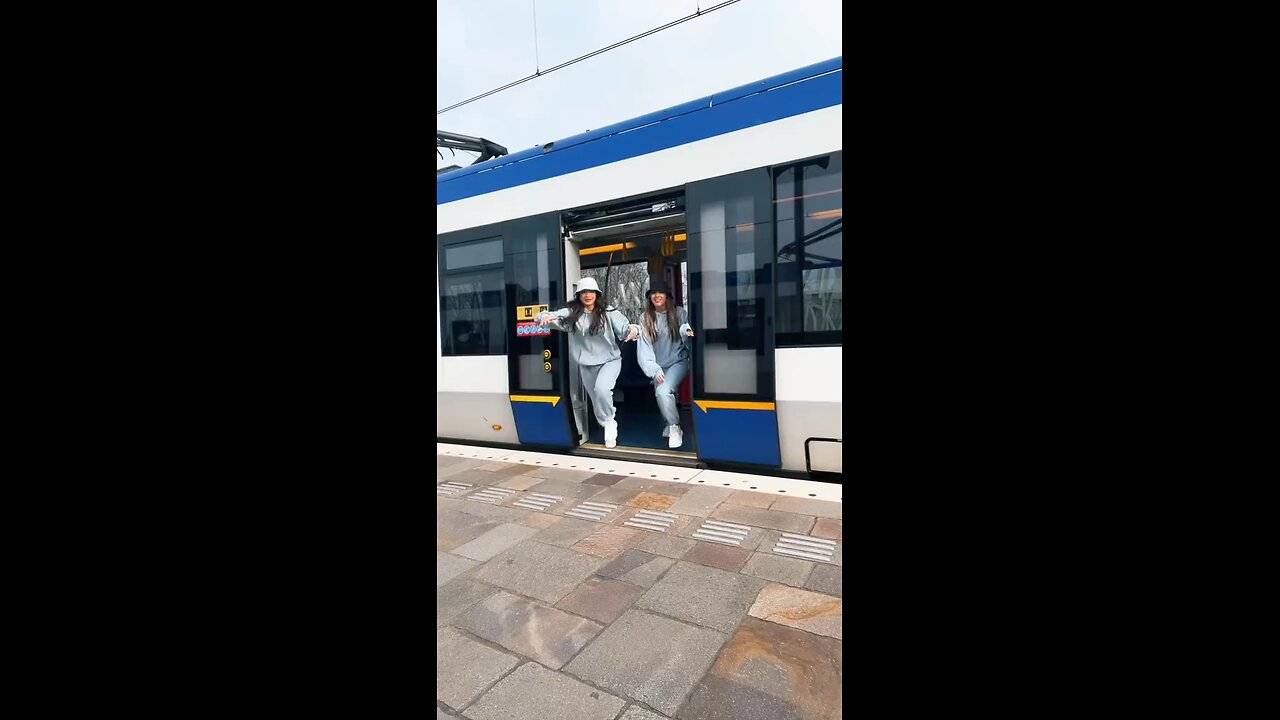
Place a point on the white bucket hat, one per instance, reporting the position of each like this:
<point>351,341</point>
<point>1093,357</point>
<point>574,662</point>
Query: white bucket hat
<point>587,284</point>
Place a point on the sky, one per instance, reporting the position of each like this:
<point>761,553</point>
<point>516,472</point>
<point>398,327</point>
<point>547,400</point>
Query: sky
<point>484,44</point>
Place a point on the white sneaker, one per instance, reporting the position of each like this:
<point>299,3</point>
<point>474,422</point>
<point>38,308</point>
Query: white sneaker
<point>582,440</point>
<point>666,431</point>
<point>611,434</point>
<point>677,437</point>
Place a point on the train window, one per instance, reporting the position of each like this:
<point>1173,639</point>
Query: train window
<point>471,302</point>
<point>809,223</point>
<point>731,220</point>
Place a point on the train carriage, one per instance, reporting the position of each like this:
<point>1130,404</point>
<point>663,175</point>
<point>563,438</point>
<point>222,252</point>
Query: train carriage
<point>735,201</point>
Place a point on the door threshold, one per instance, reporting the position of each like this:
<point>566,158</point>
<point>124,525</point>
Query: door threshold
<point>667,457</point>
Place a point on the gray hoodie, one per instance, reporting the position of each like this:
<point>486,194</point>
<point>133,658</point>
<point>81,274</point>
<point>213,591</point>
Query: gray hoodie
<point>662,351</point>
<point>586,349</point>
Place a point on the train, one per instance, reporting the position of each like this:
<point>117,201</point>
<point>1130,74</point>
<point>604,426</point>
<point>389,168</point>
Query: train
<point>735,200</point>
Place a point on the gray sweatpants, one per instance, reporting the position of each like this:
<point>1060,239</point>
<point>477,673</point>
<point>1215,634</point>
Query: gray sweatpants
<point>598,382</point>
<point>668,392</point>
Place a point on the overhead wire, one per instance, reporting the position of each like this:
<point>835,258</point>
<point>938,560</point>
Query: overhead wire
<point>540,73</point>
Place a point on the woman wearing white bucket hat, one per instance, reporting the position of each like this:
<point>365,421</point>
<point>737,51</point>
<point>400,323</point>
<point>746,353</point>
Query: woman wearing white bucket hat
<point>594,334</point>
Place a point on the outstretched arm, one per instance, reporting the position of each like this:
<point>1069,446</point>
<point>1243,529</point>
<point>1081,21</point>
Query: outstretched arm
<point>554,320</point>
<point>623,330</point>
<point>685,330</point>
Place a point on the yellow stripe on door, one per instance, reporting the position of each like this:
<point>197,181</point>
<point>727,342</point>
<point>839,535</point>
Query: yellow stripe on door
<point>733,405</point>
<point>536,398</point>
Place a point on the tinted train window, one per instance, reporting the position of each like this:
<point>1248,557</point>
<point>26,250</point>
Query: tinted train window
<point>730,225</point>
<point>471,278</point>
<point>809,223</point>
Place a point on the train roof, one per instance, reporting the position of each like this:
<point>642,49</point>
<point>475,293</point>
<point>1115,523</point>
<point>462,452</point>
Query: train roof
<point>792,93</point>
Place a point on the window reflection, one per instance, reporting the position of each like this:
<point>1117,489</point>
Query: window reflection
<point>809,219</point>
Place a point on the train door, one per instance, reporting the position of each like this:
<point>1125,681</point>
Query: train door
<point>730,265</point>
<point>537,357</point>
<point>626,246</point>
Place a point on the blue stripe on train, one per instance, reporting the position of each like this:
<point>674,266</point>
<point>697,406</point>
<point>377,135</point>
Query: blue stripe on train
<point>733,435</point>
<point>718,114</point>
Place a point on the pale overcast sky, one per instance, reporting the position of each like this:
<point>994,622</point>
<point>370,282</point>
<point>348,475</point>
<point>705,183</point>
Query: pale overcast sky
<point>484,44</point>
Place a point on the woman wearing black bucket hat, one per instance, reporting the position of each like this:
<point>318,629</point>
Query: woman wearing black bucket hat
<point>594,333</point>
<point>664,353</point>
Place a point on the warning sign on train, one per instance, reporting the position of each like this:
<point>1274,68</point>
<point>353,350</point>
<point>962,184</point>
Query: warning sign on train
<point>529,312</point>
<point>529,329</point>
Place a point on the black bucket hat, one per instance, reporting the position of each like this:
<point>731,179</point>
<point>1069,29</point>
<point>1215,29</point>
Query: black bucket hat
<point>659,286</point>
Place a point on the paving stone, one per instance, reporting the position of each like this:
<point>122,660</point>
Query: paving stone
<point>785,570</point>
<point>477,476</point>
<point>539,520</point>
<point>763,518</point>
<point>447,504</point>
<point>647,574</point>
<point>701,500</point>
<point>770,672</point>
<point>449,567</point>
<point>446,460</point>
<point>653,501</point>
<point>624,563</point>
<point>454,528</point>
<point>769,542</point>
<point>750,499</point>
<point>635,712</point>
<point>808,506</point>
<point>566,532</point>
<point>724,557</point>
<point>810,611</point>
<point>464,667</point>
<point>520,482</point>
<point>609,541</point>
<point>671,526</point>
<point>828,528</point>
<point>457,596</point>
<point>544,634</point>
<point>441,715</point>
<point>539,571</point>
<point>702,595</point>
<point>749,542</point>
<point>533,692</point>
<point>653,659</point>
<point>448,472</point>
<point>652,485</point>
<point>491,512</point>
<point>667,546</point>
<point>826,579</point>
<point>560,473</point>
<point>505,469</point>
<point>601,599</point>
<point>603,479</point>
<point>567,489</point>
<point>615,495</point>
<point>495,541</point>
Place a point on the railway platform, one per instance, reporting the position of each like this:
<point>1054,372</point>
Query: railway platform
<point>583,588</point>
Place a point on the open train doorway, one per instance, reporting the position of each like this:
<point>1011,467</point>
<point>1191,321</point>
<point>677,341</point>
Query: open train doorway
<point>628,246</point>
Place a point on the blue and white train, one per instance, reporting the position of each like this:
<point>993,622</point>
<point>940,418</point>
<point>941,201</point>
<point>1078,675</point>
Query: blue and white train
<point>736,200</point>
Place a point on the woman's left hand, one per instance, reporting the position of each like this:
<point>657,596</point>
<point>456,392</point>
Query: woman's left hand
<point>631,334</point>
<point>689,332</point>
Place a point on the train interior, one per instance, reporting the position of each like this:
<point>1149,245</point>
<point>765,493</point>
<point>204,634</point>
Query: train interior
<point>625,246</point>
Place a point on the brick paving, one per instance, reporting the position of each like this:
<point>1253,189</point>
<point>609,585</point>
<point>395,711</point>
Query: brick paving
<point>540,614</point>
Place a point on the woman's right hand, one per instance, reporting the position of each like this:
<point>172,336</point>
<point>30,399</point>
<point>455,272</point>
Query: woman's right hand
<point>545,320</point>
<point>660,377</point>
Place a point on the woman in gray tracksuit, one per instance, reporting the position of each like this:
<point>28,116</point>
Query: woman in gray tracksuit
<point>664,353</point>
<point>594,334</point>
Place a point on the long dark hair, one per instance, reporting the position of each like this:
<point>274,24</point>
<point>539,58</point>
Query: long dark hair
<point>651,319</point>
<point>576,308</point>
